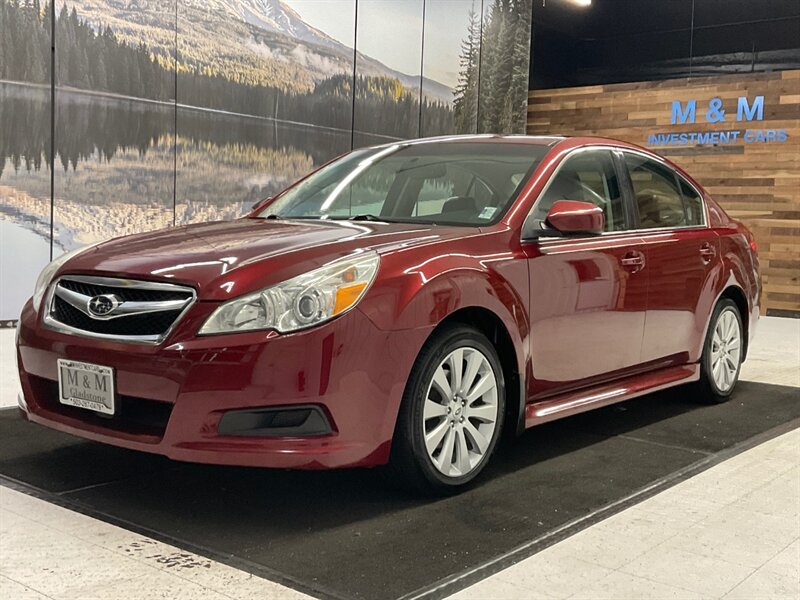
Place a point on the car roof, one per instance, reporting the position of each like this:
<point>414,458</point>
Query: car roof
<point>563,141</point>
<point>542,140</point>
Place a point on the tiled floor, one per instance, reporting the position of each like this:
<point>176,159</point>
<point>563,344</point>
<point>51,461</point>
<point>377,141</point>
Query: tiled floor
<point>731,532</point>
<point>49,552</point>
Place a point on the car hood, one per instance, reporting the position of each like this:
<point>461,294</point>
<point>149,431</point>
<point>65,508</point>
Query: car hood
<point>227,259</point>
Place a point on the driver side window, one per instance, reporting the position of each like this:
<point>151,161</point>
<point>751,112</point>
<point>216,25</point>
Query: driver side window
<point>588,177</point>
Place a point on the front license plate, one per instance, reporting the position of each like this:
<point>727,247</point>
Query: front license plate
<point>86,386</point>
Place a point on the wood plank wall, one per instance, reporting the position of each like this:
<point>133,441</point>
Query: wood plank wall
<point>758,182</point>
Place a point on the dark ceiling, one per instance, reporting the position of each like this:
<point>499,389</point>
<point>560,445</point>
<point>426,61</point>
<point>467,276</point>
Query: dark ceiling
<point>634,40</point>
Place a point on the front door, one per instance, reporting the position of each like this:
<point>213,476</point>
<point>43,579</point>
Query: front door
<point>588,293</point>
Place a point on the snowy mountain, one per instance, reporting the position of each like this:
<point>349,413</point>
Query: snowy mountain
<point>261,42</point>
<point>274,15</point>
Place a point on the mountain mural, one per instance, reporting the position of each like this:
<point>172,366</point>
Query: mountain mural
<point>254,42</point>
<point>262,98</point>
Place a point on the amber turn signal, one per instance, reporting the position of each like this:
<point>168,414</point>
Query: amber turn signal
<point>346,296</point>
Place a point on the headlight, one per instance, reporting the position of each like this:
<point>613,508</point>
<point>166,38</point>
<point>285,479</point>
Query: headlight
<point>300,302</point>
<point>46,276</point>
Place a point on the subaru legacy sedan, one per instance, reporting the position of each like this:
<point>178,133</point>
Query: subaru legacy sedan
<point>403,305</point>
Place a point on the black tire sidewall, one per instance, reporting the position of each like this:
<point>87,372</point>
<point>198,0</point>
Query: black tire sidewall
<point>707,377</point>
<point>441,346</point>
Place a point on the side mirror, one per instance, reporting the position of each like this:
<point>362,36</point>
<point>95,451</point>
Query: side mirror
<point>574,216</point>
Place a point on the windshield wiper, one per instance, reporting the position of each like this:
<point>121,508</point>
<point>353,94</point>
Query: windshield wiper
<point>368,217</point>
<point>274,217</point>
<point>365,217</point>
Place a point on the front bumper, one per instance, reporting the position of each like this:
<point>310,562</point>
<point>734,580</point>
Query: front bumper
<point>172,397</point>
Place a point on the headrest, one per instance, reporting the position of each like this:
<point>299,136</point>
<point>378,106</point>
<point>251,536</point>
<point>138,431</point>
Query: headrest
<point>460,204</point>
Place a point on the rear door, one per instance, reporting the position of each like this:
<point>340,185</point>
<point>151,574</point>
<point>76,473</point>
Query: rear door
<point>588,292</point>
<point>681,253</point>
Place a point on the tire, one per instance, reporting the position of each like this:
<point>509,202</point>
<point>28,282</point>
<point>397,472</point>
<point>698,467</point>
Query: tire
<point>723,353</point>
<point>434,417</point>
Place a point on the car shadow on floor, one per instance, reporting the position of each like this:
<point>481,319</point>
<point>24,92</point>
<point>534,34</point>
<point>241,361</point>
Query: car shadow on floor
<point>66,465</point>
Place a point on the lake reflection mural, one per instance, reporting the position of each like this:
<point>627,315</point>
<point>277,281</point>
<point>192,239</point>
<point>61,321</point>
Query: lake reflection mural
<point>25,147</point>
<point>179,111</point>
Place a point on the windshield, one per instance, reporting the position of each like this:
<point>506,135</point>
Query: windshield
<point>454,183</point>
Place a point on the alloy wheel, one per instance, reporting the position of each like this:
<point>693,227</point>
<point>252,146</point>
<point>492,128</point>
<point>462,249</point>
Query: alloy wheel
<point>726,350</point>
<point>460,412</point>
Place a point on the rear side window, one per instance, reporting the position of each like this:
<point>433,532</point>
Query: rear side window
<point>692,203</point>
<point>661,198</point>
<point>590,177</point>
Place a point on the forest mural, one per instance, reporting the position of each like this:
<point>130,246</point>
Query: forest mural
<point>175,111</point>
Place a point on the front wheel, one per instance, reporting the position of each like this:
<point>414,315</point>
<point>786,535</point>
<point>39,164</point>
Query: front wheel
<point>722,354</point>
<point>452,412</point>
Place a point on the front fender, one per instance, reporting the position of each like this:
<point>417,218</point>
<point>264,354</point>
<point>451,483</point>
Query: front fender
<point>427,293</point>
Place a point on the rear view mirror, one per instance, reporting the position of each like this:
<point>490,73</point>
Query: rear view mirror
<point>574,216</point>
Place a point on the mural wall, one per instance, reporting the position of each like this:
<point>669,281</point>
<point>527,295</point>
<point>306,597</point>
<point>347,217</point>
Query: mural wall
<point>177,111</point>
<point>25,151</point>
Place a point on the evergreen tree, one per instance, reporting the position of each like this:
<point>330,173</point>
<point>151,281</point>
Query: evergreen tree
<point>505,46</point>
<point>3,52</point>
<point>35,67</point>
<point>498,67</point>
<point>465,103</point>
<point>518,92</point>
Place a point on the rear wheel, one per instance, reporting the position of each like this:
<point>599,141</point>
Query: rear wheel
<point>722,354</point>
<point>452,412</point>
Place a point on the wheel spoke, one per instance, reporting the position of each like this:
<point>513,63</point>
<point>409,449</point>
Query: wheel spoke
<point>474,362</point>
<point>731,365</point>
<point>485,412</point>
<point>485,384</point>
<point>433,409</point>
<point>456,369</point>
<point>731,326</point>
<point>434,437</point>
<point>715,370</point>
<point>463,453</point>
<point>440,381</point>
<point>476,436</point>
<point>724,371</point>
<point>445,459</point>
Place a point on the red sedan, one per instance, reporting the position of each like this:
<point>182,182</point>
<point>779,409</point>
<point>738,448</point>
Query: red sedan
<point>402,304</point>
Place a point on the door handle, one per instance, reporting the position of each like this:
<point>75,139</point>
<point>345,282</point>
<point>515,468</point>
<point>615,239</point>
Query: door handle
<point>633,261</point>
<point>707,253</point>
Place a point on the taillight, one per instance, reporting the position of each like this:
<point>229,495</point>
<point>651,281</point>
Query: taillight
<point>751,241</point>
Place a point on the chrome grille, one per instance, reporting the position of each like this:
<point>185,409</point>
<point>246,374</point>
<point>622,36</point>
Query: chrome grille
<point>120,309</point>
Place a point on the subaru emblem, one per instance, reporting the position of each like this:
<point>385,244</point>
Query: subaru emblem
<point>103,305</point>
